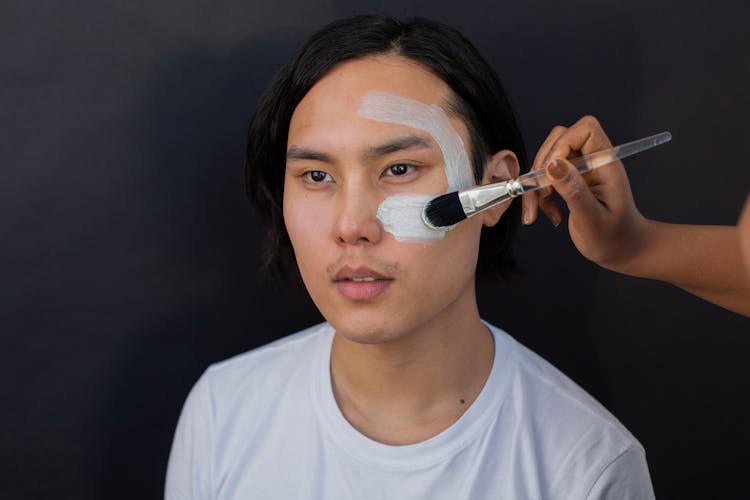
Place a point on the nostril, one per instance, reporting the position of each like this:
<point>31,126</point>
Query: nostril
<point>357,221</point>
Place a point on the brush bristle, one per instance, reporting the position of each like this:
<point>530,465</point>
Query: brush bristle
<point>444,210</point>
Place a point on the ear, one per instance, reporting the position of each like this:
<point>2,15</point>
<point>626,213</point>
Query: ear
<point>502,166</point>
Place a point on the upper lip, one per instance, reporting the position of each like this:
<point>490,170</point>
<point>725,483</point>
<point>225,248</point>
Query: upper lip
<point>348,273</point>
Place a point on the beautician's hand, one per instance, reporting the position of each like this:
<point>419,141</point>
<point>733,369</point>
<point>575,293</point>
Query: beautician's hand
<point>743,226</point>
<point>604,223</point>
<point>608,229</point>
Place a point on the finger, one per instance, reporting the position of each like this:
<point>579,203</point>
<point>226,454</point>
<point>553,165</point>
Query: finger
<point>546,146</point>
<point>549,207</point>
<point>533,201</point>
<point>571,186</point>
<point>585,136</point>
<point>529,204</point>
<point>530,201</point>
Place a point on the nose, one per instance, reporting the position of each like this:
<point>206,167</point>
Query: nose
<point>357,222</point>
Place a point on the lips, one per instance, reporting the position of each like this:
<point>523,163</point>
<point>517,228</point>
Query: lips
<point>361,283</point>
<point>358,274</point>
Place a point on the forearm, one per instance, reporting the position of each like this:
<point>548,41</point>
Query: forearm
<point>703,260</point>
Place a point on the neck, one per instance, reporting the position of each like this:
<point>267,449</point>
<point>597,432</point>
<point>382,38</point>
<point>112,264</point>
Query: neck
<point>419,382</point>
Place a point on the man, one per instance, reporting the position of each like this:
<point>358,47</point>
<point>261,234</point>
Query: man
<point>404,392</point>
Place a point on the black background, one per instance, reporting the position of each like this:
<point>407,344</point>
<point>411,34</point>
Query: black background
<point>129,255</point>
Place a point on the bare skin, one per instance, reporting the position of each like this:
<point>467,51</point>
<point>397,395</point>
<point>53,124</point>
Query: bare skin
<point>743,225</point>
<point>607,228</point>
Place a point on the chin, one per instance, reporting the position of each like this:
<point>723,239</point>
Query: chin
<point>369,335</point>
<point>362,331</point>
<point>378,327</point>
<point>370,338</point>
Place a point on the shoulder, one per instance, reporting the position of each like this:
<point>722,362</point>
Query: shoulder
<point>234,402</point>
<point>256,384</point>
<point>571,433</point>
<point>272,363</point>
<point>540,385</point>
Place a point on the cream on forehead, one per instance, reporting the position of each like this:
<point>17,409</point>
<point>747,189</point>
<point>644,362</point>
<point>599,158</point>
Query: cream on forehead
<point>389,108</point>
<point>401,214</point>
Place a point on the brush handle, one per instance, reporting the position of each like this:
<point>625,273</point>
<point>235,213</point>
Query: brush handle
<point>479,198</point>
<point>538,178</point>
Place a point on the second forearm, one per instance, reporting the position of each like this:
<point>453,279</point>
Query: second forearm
<point>704,260</point>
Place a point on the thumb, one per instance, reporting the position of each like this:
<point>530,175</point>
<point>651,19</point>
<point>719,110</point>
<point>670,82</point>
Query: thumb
<point>569,184</point>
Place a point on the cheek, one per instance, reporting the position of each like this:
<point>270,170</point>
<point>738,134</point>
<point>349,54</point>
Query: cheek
<point>460,249</point>
<point>306,222</point>
<point>447,261</point>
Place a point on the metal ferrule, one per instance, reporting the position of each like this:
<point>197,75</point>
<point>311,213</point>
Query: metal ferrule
<point>480,198</point>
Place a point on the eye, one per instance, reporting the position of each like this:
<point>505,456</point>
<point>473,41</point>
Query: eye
<point>399,169</point>
<point>317,177</point>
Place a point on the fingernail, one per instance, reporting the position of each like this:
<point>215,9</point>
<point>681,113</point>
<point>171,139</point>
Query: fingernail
<point>555,220</point>
<point>556,169</point>
<point>525,218</point>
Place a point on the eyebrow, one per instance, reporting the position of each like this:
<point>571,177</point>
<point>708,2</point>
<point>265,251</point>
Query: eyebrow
<point>398,144</point>
<point>403,143</point>
<point>302,153</point>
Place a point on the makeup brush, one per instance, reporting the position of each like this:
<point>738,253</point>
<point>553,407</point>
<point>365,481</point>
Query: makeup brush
<point>452,208</point>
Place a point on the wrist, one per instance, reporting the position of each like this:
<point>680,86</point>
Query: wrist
<point>636,258</point>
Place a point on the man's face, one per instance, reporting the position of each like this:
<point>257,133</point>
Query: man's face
<point>340,168</point>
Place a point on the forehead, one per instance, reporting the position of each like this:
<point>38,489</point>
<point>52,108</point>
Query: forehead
<point>334,101</point>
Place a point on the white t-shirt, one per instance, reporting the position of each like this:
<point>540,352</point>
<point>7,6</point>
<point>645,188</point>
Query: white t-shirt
<point>265,425</point>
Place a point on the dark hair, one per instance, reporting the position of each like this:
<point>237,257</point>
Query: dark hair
<point>478,98</point>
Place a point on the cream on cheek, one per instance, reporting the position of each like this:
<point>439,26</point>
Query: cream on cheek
<point>401,214</point>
